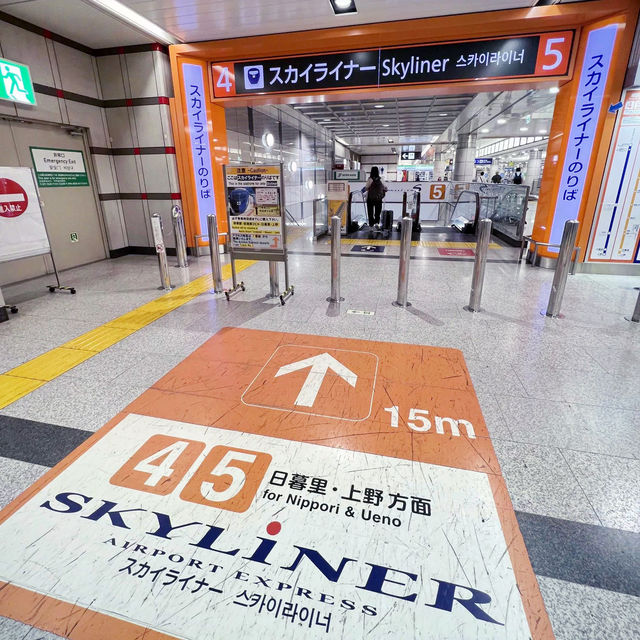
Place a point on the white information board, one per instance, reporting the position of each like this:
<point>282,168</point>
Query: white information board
<point>616,232</point>
<point>22,230</point>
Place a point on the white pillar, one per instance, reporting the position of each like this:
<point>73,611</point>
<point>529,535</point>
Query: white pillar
<point>439,165</point>
<point>534,166</point>
<point>464,168</point>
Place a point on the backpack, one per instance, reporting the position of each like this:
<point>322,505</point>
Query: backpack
<point>517,179</point>
<point>376,190</point>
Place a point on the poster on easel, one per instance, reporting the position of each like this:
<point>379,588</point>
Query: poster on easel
<point>255,208</point>
<point>22,230</point>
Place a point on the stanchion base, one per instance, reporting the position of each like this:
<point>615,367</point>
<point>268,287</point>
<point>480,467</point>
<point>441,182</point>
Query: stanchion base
<point>54,287</point>
<point>631,320</point>
<point>173,286</point>
<point>232,292</point>
<point>216,290</point>
<point>544,313</point>
<point>177,266</point>
<point>468,308</point>
<point>287,293</point>
<point>334,300</point>
<point>4,316</point>
<point>402,306</point>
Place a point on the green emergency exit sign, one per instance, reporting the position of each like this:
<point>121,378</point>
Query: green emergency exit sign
<point>15,82</point>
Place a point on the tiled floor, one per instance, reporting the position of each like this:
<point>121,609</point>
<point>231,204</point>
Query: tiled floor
<point>560,396</point>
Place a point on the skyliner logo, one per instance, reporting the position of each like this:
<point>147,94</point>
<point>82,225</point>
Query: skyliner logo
<point>392,582</point>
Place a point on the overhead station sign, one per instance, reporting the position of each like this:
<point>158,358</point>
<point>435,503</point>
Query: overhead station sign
<point>546,54</point>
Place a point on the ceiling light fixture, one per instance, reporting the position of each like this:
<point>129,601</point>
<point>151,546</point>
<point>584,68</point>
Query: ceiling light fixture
<point>386,125</point>
<point>443,114</point>
<point>543,131</point>
<point>524,128</point>
<point>501,121</point>
<point>378,106</point>
<point>554,89</point>
<point>140,23</point>
<point>484,130</point>
<point>343,6</point>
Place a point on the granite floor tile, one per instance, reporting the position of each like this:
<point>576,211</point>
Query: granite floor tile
<point>16,477</point>
<point>579,612</point>
<point>612,485</point>
<point>540,481</point>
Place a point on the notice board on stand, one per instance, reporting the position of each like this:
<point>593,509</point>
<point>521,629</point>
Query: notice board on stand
<point>255,210</point>
<point>22,230</point>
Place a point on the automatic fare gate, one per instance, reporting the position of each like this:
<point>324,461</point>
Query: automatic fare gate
<point>275,486</point>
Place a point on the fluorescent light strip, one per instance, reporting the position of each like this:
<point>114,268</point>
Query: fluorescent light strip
<point>128,16</point>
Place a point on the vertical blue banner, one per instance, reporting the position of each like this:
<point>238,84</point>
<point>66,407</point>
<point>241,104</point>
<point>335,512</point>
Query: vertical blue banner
<point>593,79</point>
<point>200,149</point>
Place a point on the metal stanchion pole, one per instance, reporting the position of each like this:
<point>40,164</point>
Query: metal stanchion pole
<point>563,264</point>
<point>274,280</point>
<point>636,312</point>
<point>336,224</point>
<point>180,236</point>
<point>214,247</point>
<point>158,239</point>
<point>482,248</point>
<point>405,259</point>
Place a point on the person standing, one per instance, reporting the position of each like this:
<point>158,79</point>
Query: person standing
<point>517,177</point>
<point>375,190</point>
<point>497,178</point>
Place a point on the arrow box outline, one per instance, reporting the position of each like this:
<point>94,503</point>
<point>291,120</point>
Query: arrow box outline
<point>309,413</point>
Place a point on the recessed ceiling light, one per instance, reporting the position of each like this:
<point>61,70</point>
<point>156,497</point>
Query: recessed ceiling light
<point>542,131</point>
<point>343,6</point>
<point>501,121</point>
<point>386,125</point>
<point>443,114</point>
<point>524,128</point>
<point>484,130</point>
<point>378,106</point>
<point>554,89</point>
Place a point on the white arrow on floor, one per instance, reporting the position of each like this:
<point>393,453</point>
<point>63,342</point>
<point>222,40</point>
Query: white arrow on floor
<point>319,364</point>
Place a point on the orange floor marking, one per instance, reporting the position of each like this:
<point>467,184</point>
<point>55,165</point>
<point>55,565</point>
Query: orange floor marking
<point>206,443</point>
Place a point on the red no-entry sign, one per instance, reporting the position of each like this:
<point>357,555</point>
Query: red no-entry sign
<point>13,199</point>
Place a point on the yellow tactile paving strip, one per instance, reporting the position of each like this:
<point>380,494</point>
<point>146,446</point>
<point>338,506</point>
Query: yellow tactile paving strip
<point>420,243</point>
<point>25,378</point>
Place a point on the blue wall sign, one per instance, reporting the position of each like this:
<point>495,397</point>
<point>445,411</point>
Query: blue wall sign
<point>483,161</point>
<point>199,135</point>
<point>593,79</point>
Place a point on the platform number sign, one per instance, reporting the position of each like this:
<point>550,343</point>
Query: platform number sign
<point>224,80</point>
<point>554,51</point>
<point>437,191</point>
<point>227,478</point>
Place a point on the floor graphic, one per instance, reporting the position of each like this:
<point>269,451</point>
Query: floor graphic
<point>275,486</point>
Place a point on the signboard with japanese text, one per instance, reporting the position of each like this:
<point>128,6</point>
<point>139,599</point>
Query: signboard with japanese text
<point>287,505</point>
<point>586,112</point>
<point>483,161</point>
<point>59,167</point>
<point>195,96</point>
<point>22,230</point>
<point>254,207</point>
<point>530,56</point>
<point>616,234</point>
<point>15,83</point>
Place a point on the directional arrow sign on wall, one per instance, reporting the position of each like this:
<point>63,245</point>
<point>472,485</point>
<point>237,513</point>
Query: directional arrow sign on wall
<point>319,364</point>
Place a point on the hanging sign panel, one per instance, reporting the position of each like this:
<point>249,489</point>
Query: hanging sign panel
<point>586,112</point>
<point>59,167</point>
<point>193,78</point>
<point>254,207</point>
<point>22,230</point>
<point>541,55</point>
<point>616,236</point>
<point>239,524</point>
